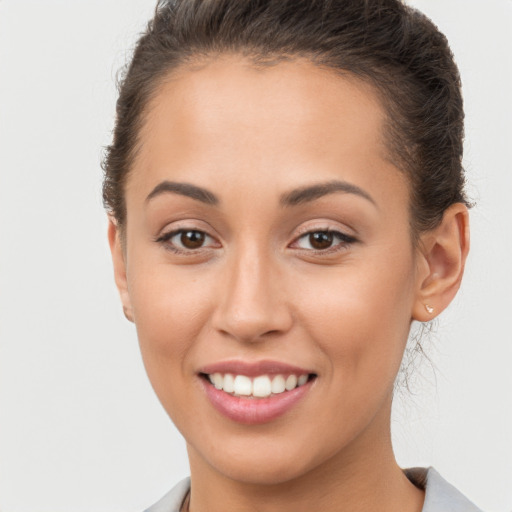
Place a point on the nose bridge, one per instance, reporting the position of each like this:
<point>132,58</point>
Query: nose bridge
<point>250,305</point>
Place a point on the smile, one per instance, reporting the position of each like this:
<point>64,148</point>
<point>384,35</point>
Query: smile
<point>262,386</point>
<point>255,393</point>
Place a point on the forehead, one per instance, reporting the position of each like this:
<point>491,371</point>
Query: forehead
<point>281,122</point>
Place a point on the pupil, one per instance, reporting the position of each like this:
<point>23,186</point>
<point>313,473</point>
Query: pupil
<point>320,239</point>
<point>192,239</point>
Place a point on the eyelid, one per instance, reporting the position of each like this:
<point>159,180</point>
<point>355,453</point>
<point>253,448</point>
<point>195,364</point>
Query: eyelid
<point>165,236</point>
<point>185,224</point>
<point>336,232</point>
<point>325,225</point>
<point>171,234</point>
<point>345,239</point>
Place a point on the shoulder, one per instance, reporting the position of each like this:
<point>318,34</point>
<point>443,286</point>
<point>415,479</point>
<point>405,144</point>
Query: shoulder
<point>440,496</point>
<point>172,501</point>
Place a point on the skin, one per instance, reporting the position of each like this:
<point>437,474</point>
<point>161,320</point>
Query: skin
<point>257,290</point>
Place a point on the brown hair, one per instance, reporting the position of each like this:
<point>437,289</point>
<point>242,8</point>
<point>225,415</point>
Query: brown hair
<point>395,48</point>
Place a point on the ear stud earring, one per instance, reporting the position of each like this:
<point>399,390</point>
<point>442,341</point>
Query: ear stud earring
<point>429,309</point>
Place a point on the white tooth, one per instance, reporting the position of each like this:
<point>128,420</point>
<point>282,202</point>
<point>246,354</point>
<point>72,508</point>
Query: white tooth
<point>291,382</point>
<point>217,380</point>
<point>302,380</point>
<point>242,385</point>
<point>229,383</point>
<point>278,384</point>
<point>261,386</point>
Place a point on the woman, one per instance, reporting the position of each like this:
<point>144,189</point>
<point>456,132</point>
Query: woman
<point>285,194</point>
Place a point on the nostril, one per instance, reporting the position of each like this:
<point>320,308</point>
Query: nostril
<point>251,331</point>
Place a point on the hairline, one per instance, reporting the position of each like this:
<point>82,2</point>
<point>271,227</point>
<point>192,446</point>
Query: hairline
<point>259,58</point>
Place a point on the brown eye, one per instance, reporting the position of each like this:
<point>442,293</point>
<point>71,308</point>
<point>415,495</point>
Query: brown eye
<point>324,240</point>
<point>187,240</point>
<point>192,239</point>
<point>321,239</point>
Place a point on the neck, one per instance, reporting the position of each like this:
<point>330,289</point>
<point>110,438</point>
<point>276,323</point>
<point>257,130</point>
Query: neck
<point>364,477</point>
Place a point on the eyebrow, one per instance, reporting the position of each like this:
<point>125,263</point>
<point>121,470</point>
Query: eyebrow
<point>292,198</point>
<point>318,190</point>
<point>184,189</point>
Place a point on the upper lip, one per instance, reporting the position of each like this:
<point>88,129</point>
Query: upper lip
<point>253,368</point>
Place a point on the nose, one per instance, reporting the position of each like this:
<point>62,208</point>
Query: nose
<point>252,305</point>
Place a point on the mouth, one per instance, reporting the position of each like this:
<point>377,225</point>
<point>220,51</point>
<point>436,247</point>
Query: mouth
<point>260,386</point>
<point>255,393</point>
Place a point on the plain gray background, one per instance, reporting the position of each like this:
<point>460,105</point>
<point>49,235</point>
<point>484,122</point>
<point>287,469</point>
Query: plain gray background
<point>80,429</point>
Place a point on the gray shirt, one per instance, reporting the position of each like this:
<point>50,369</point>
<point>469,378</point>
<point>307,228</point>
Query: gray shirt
<point>440,496</point>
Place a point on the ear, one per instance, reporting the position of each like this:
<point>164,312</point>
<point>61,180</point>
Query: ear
<point>442,255</point>
<point>118,260</point>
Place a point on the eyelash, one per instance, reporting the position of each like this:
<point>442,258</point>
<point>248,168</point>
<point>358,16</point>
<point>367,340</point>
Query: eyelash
<point>344,241</point>
<point>166,238</point>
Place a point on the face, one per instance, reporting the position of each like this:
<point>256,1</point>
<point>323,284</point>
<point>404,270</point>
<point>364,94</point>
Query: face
<point>268,249</point>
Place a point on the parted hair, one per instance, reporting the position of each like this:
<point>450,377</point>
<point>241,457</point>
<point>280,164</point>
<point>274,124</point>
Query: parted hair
<point>391,46</point>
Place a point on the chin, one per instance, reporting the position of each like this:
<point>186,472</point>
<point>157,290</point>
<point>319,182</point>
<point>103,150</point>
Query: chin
<point>266,459</point>
<point>263,470</point>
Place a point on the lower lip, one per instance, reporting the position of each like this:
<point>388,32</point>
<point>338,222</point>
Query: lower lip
<point>254,411</point>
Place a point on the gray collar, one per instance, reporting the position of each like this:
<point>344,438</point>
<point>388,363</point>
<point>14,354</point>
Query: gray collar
<point>440,496</point>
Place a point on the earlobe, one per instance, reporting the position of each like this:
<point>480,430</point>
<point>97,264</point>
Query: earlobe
<point>119,263</point>
<point>443,252</point>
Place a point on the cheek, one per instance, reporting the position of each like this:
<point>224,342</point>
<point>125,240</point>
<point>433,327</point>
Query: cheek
<point>360,317</point>
<point>170,309</point>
